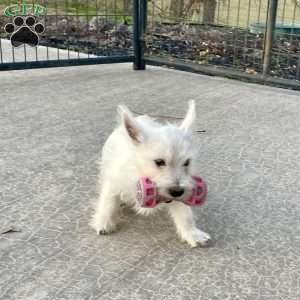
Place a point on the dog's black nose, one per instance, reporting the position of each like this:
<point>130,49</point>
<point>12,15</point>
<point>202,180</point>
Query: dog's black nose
<point>176,191</point>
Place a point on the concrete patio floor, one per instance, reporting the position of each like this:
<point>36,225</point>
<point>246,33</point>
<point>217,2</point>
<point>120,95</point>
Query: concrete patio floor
<point>53,123</point>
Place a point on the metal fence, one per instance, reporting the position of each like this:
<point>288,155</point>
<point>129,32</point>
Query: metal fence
<point>75,32</point>
<point>255,40</point>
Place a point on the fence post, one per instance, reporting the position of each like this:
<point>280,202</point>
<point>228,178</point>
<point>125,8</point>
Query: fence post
<point>269,35</point>
<point>139,28</point>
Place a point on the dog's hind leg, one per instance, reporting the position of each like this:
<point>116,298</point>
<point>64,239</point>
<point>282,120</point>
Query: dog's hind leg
<point>104,220</point>
<point>183,218</point>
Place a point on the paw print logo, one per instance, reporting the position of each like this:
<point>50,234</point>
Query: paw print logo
<point>24,30</point>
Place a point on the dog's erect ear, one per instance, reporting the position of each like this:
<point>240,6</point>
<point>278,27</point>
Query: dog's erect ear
<point>129,122</point>
<point>190,117</point>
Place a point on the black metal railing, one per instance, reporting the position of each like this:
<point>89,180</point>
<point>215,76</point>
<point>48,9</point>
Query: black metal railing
<point>253,40</point>
<point>75,32</point>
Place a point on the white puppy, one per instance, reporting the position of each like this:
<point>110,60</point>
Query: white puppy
<point>165,153</point>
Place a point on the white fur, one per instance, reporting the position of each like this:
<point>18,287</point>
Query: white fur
<point>129,153</point>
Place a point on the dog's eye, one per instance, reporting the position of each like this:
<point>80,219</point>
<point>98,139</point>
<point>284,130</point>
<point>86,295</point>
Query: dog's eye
<point>187,163</point>
<point>160,162</point>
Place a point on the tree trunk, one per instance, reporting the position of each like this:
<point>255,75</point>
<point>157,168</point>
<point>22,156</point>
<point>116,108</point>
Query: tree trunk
<point>127,6</point>
<point>176,8</point>
<point>209,10</point>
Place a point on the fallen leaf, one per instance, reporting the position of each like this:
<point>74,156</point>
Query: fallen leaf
<point>9,229</point>
<point>251,71</point>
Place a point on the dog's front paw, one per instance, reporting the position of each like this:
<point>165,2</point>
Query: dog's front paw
<point>102,226</point>
<point>197,237</point>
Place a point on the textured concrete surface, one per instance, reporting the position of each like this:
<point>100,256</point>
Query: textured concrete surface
<point>8,53</point>
<point>53,123</point>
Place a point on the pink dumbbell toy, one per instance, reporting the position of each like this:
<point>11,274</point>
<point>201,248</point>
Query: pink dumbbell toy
<point>147,194</point>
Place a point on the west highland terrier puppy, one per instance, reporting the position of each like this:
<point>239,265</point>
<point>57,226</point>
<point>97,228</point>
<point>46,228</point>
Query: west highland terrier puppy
<point>142,147</point>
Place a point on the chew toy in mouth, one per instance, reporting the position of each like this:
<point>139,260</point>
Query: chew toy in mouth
<point>148,196</point>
